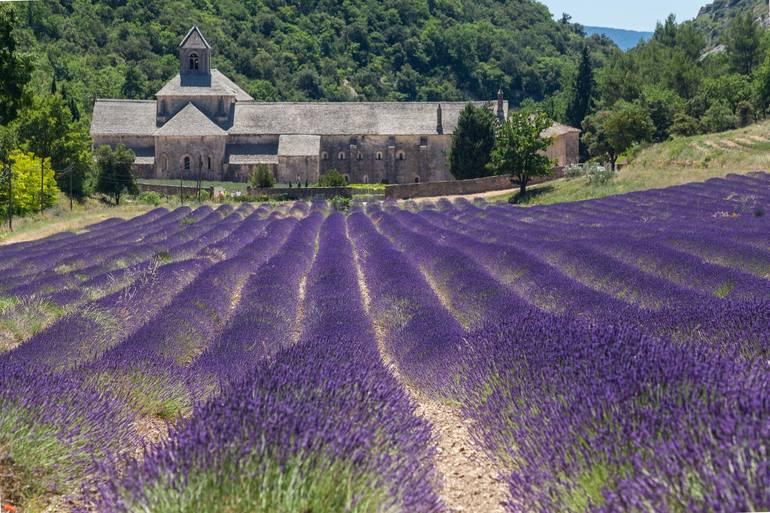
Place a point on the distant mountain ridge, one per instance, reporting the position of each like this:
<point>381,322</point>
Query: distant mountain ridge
<point>625,39</point>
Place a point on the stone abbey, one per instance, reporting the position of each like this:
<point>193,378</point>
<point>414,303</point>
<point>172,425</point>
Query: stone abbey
<point>202,124</point>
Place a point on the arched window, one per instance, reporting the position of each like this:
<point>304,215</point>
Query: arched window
<point>341,155</point>
<point>365,179</point>
<point>416,179</point>
<point>347,179</point>
<point>193,62</point>
<point>400,155</point>
<point>209,162</point>
<point>324,155</point>
<point>360,156</point>
<point>378,156</point>
<point>187,163</point>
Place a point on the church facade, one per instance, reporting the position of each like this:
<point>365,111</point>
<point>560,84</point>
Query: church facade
<point>201,124</point>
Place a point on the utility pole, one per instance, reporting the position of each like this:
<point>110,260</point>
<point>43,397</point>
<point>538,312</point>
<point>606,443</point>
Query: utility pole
<point>68,171</point>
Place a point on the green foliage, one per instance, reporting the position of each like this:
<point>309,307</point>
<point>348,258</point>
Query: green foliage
<point>599,175</point>
<point>744,41</point>
<point>719,118</point>
<point>262,177</point>
<point>26,184</point>
<point>341,203</point>
<point>520,147</point>
<point>14,68</point>
<point>663,106</point>
<point>115,176</point>
<point>609,133</point>
<point>332,178</point>
<point>149,198</point>
<point>356,50</point>
<point>472,142</point>
<point>581,95</point>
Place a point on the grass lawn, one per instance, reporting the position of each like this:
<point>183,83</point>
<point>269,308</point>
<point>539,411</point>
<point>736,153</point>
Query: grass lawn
<point>674,162</point>
<point>228,186</point>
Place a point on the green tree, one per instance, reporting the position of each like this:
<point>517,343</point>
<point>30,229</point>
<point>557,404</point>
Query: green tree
<point>663,106</point>
<point>609,133</point>
<point>719,118</point>
<point>115,175</point>
<point>332,178</point>
<point>744,43</point>
<point>134,84</point>
<point>15,69</point>
<point>26,193</point>
<point>472,142</point>
<point>520,148</point>
<point>74,149</point>
<point>43,125</point>
<point>581,95</point>
<point>261,177</point>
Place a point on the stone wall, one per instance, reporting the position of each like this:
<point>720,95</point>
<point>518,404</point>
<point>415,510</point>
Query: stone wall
<point>173,190</point>
<point>459,187</point>
<point>170,153</point>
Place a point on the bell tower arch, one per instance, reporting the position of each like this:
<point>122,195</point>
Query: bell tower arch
<point>194,54</point>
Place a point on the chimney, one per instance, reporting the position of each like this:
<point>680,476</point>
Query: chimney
<point>439,122</point>
<point>500,110</point>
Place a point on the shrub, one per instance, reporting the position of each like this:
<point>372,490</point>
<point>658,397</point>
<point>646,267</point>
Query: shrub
<point>26,184</point>
<point>332,179</point>
<point>599,175</point>
<point>341,203</point>
<point>574,171</point>
<point>204,195</point>
<point>262,177</point>
<point>149,198</point>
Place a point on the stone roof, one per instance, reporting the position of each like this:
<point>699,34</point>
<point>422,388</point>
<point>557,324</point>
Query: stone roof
<point>123,117</point>
<point>194,39</point>
<point>189,122</point>
<point>558,129</point>
<point>299,145</point>
<point>215,84</point>
<point>350,118</point>
<point>253,159</point>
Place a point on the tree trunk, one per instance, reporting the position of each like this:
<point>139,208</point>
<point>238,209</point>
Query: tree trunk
<point>522,187</point>
<point>613,159</point>
<point>42,172</point>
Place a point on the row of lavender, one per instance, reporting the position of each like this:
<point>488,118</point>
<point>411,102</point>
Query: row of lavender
<point>596,383</point>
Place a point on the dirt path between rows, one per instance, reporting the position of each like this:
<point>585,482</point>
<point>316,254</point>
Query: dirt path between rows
<point>469,479</point>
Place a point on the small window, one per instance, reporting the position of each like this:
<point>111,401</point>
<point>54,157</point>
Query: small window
<point>324,155</point>
<point>187,163</point>
<point>360,156</point>
<point>347,179</point>
<point>341,155</point>
<point>194,62</point>
<point>365,179</point>
<point>400,155</point>
<point>378,156</point>
<point>416,179</point>
<point>209,163</point>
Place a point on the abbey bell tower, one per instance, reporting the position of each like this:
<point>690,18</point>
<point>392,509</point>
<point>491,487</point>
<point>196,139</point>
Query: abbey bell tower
<point>194,54</point>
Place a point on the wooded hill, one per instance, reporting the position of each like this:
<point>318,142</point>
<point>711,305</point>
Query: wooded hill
<point>309,49</point>
<point>715,18</point>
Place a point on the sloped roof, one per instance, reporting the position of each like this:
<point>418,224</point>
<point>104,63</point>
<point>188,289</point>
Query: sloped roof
<point>558,129</point>
<point>215,84</point>
<point>351,118</point>
<point>299,145</point>
<point>123,117</point>
<point>253,159</point>
<point>194,39</point>
<point>189,122</point>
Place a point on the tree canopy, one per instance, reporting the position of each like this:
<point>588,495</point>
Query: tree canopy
<point>520,148</point>
<point>472,142</point>
<point>14,68</point>
<point>115,177</point>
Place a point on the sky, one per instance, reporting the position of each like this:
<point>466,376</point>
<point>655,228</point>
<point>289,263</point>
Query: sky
<point>625,14</point>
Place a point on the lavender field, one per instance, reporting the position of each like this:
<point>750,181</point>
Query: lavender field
<point>608,356</point>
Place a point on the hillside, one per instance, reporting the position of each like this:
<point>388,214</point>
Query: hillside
<point>310,50</point>
<point>625,39</point>
<point>674,162</point>
<point>714,18</point>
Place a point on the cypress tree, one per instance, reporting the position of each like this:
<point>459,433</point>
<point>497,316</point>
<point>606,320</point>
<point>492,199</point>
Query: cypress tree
<point>582,91</point>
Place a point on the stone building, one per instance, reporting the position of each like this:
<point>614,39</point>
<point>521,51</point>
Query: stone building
<point>203,124</point>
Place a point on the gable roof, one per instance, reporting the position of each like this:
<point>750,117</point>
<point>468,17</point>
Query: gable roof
<point>194,39</point>
<point>189,122</point>
<point>123,117</point>
<point>215,84</point>
<point>346,118</point>
<point>558,129</point>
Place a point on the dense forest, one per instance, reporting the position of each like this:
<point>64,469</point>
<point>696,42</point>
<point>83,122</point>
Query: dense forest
<point>309,49</point>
